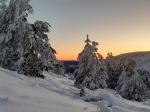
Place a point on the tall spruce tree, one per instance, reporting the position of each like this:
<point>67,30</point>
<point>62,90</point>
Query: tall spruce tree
<point>24,47</point>
<point>15,31</point>
<point>91,73</point>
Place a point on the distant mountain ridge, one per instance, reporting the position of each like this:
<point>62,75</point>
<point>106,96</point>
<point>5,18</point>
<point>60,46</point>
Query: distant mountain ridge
<point>134,54</point>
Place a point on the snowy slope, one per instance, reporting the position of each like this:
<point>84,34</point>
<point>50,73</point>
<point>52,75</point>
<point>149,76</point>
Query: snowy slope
<point>19,93</point>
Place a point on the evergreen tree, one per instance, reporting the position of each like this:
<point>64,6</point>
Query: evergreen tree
<point>123,80</point>
<point>42,46</point>
<point>15,32</point>
<point>111,70</point>
<point>135,88</point>
<point>24,47</point>
<point>44,50</point>
<point>130,84</point>
<point>91,73</point>
<point>145,75</point>
<point>114,69</point>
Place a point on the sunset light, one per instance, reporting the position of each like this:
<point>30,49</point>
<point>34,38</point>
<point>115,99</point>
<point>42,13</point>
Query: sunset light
<point>119,26</point>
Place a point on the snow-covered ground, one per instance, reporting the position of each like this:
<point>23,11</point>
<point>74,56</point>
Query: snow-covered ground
<point>19,93</point>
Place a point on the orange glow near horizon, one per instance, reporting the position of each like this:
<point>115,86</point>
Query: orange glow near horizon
<point>115,46</point>
<point>104,54</point>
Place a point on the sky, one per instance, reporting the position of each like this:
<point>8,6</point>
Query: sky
<point>119,26</point>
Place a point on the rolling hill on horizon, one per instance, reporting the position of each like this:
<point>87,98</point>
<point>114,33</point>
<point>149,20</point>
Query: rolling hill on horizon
<point>142,59</point>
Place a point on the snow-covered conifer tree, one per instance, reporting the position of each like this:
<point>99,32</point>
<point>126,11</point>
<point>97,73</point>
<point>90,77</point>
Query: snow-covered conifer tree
<point>123,79</point>
<point>42,47</point>
<point>24,47</point>
<point>112,70</point>
<point>130,84</point>
<point>15,31</point>
<point>135,88</point>
<point>91,73</point>
<point>145,76</point>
